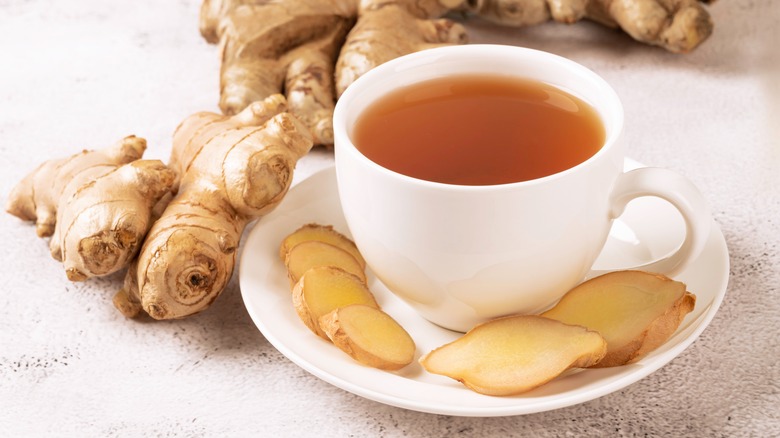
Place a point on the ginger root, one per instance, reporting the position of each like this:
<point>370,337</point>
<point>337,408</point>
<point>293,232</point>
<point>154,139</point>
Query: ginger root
<point>515,354</point>
<point>676,25</point>
<point>291,47</point>
<point>95,205</point>
<point>231,170</point>
<point>270,47</point>
<point>388,29</point>
<point>636,312</point>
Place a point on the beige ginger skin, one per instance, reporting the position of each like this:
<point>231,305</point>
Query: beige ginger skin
<point>678,26</point>
<point>274,47</point>
<point>232,169</point>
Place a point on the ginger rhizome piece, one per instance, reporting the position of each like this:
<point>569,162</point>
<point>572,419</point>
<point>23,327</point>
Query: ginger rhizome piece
<point>636,312</point>
<point>291,47</point>
<point>370,336</point>
<point>676,25</point>
<point>231,170</point>
<point>321,233</point>
<point>274,47</point>
<point>389,29</point>
<point>95,205</point>
<point>515,354</point>
<point>325,288</point>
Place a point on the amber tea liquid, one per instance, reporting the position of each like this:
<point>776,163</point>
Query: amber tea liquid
<point>478,130</point>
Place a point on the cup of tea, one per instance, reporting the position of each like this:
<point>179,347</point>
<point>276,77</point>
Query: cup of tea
<point>482,180</point>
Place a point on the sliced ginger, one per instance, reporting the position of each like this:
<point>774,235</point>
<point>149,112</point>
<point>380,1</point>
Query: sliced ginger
<point>515,354</point>
<point>370,336</point>
<point>322,233</point>
<point>309,254</point>
<point>331,297</point>
<point>323,289</point>
<point>635,311</point>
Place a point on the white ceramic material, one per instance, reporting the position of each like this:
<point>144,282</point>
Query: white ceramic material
<point>461,255</point>
<point>647,230</point>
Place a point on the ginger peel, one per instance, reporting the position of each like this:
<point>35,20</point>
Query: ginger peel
<point>95,205</point>
<point>231,170</point>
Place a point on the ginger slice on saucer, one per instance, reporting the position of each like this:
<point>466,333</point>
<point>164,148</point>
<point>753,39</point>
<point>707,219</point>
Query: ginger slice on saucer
<point>322,233</point>
<point>515,354</point>
<point>312,253</point>
<point>323,289</point>
<point>635,311</point>
<point>370,336</point>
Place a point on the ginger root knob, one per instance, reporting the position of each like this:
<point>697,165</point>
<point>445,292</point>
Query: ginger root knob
<point>232,169</point>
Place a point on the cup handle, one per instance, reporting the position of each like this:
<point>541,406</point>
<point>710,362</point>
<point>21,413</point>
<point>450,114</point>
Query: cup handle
<point>683,195</point>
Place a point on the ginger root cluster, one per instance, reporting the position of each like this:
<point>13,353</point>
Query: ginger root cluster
<point>178,226</point>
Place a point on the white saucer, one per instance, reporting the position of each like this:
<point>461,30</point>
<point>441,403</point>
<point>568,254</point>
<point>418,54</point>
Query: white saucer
<point>648,228</point>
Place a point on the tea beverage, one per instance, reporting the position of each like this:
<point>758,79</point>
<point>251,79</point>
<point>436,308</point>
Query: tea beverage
<point>468,248</point>
<point>479,130</point>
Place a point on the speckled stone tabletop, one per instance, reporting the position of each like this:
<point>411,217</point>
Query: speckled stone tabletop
<point>82,74</point>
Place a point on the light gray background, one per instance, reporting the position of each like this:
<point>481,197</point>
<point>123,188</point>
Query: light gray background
<point>83,74</point>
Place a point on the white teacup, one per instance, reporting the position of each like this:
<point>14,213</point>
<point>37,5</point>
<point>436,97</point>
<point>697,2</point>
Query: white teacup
<point>460,255</point>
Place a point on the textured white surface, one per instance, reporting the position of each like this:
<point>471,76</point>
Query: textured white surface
<point>83,74</point>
